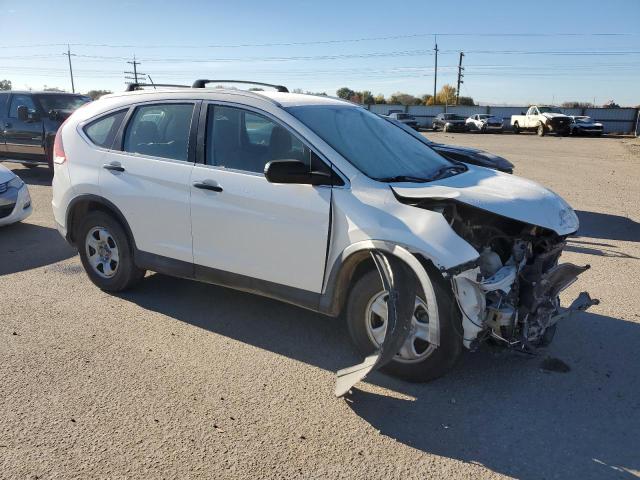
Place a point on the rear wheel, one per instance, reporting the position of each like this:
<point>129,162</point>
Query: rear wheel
<point>516,128</point>
<point>106,253</point>
<point>417,360</point>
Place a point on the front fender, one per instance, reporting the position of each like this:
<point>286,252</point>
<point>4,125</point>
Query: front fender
<point>342,272</point>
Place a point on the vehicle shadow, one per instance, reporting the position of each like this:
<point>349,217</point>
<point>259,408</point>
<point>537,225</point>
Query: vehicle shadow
<point>596,248</point>
<point>509,415</point>
<point>605,225</point>
<point>31,176</point>
<point>24,246</point>
<point>496,409</point>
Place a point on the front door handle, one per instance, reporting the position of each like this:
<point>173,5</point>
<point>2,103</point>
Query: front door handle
<point>113,167</point>
<point>207,186</point>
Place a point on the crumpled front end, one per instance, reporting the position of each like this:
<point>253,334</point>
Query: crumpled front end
<point>512,294</point>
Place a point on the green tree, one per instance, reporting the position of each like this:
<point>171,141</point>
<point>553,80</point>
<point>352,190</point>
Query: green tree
<point>426,98</point>
<point>52,89</point>
<point>611,104</point>
<point>257,89</point>
<point>379,99</point>
<point>466,101</point>
<point>96,94</point>
<point>5,84</point>
<point>404,99</point>
<point>576,105</point>
<point>345,92</point>
<point>367,97</point>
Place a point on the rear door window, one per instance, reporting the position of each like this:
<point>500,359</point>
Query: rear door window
<point>18,100</point>
<point>102,132</point>
<point>160,130</point>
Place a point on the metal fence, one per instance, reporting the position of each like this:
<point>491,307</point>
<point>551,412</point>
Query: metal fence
<point>619,120</point>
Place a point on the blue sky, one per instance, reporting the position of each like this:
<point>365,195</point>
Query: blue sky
<point>282,42</point>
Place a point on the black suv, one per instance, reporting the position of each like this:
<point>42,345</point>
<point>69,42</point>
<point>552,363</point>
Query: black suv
<point>29,122</point>
<point>449,122</point>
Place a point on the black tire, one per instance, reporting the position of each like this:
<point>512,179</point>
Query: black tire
<point>440,361</point>
<point>516,128</point>
<point>127,273</point>
<point>434,127</point>
<point>540,130</point>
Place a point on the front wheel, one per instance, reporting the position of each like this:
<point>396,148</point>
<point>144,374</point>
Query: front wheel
<point>541,130</point>
<point>106,253</point>
<point>418,360</point>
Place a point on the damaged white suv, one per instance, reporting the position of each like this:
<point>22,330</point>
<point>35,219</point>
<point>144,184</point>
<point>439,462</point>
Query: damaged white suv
<point>317,202</point>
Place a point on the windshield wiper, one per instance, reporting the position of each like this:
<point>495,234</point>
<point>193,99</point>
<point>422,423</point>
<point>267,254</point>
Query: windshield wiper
<point>403,178</point>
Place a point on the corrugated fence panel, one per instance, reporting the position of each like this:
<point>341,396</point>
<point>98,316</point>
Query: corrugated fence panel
<point>385,109</point>
<point>424,114</point>
<point>613,119</point>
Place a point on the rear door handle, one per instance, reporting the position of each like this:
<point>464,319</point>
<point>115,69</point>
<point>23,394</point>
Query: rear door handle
<point>113,167</point>
<point>207,186</point>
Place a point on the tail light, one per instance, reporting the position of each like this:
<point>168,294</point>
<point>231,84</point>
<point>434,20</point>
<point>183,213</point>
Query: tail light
<point>59,156</point>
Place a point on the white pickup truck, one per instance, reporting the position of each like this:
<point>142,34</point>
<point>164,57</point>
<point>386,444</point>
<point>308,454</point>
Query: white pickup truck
<point>542,119</point>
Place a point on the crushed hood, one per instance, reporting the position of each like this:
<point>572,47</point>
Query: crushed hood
<point>553,115</point>
<point>500,193</point>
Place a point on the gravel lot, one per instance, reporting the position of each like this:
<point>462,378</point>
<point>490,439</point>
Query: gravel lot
<point>183,380</point>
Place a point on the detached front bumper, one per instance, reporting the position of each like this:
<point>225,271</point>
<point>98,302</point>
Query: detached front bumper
<point>15,206</point>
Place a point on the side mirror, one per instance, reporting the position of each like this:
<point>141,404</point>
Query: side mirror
<point>294,171</point>
<point>23,113</point>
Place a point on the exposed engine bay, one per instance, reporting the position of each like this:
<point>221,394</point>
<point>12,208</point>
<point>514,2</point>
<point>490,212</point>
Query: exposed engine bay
<point>512,293</point>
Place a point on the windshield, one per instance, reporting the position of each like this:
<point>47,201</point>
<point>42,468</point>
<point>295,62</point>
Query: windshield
<point>549,110</point>
<point>50,101</point>
<point>375,146</point>
<point>484,116</point>
<point>453,116</point>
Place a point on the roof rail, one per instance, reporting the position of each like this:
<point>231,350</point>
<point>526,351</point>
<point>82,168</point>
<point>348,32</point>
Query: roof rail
<point>201,83</point>
<point>138,86</point>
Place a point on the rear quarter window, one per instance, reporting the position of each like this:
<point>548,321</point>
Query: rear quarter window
<point>102,132</point>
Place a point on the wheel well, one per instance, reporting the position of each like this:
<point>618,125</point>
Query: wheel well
<point>81,208</point>
<point>354,268</point>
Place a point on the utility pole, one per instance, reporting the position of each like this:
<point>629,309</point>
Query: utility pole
<point>69,54</point>
<point>135,72</point>
<point>435,72</point>
<point>460,75</point>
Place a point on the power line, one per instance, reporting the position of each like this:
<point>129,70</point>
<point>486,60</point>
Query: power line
<point>330,41</point>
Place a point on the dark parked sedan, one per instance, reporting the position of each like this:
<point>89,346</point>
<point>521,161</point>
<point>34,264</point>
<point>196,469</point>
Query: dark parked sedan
<point>473,156</point>
<point>449,122</point>
<point>409,120</point>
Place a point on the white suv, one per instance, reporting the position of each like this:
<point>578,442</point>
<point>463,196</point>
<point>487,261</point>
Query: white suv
<point>317,202</point>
